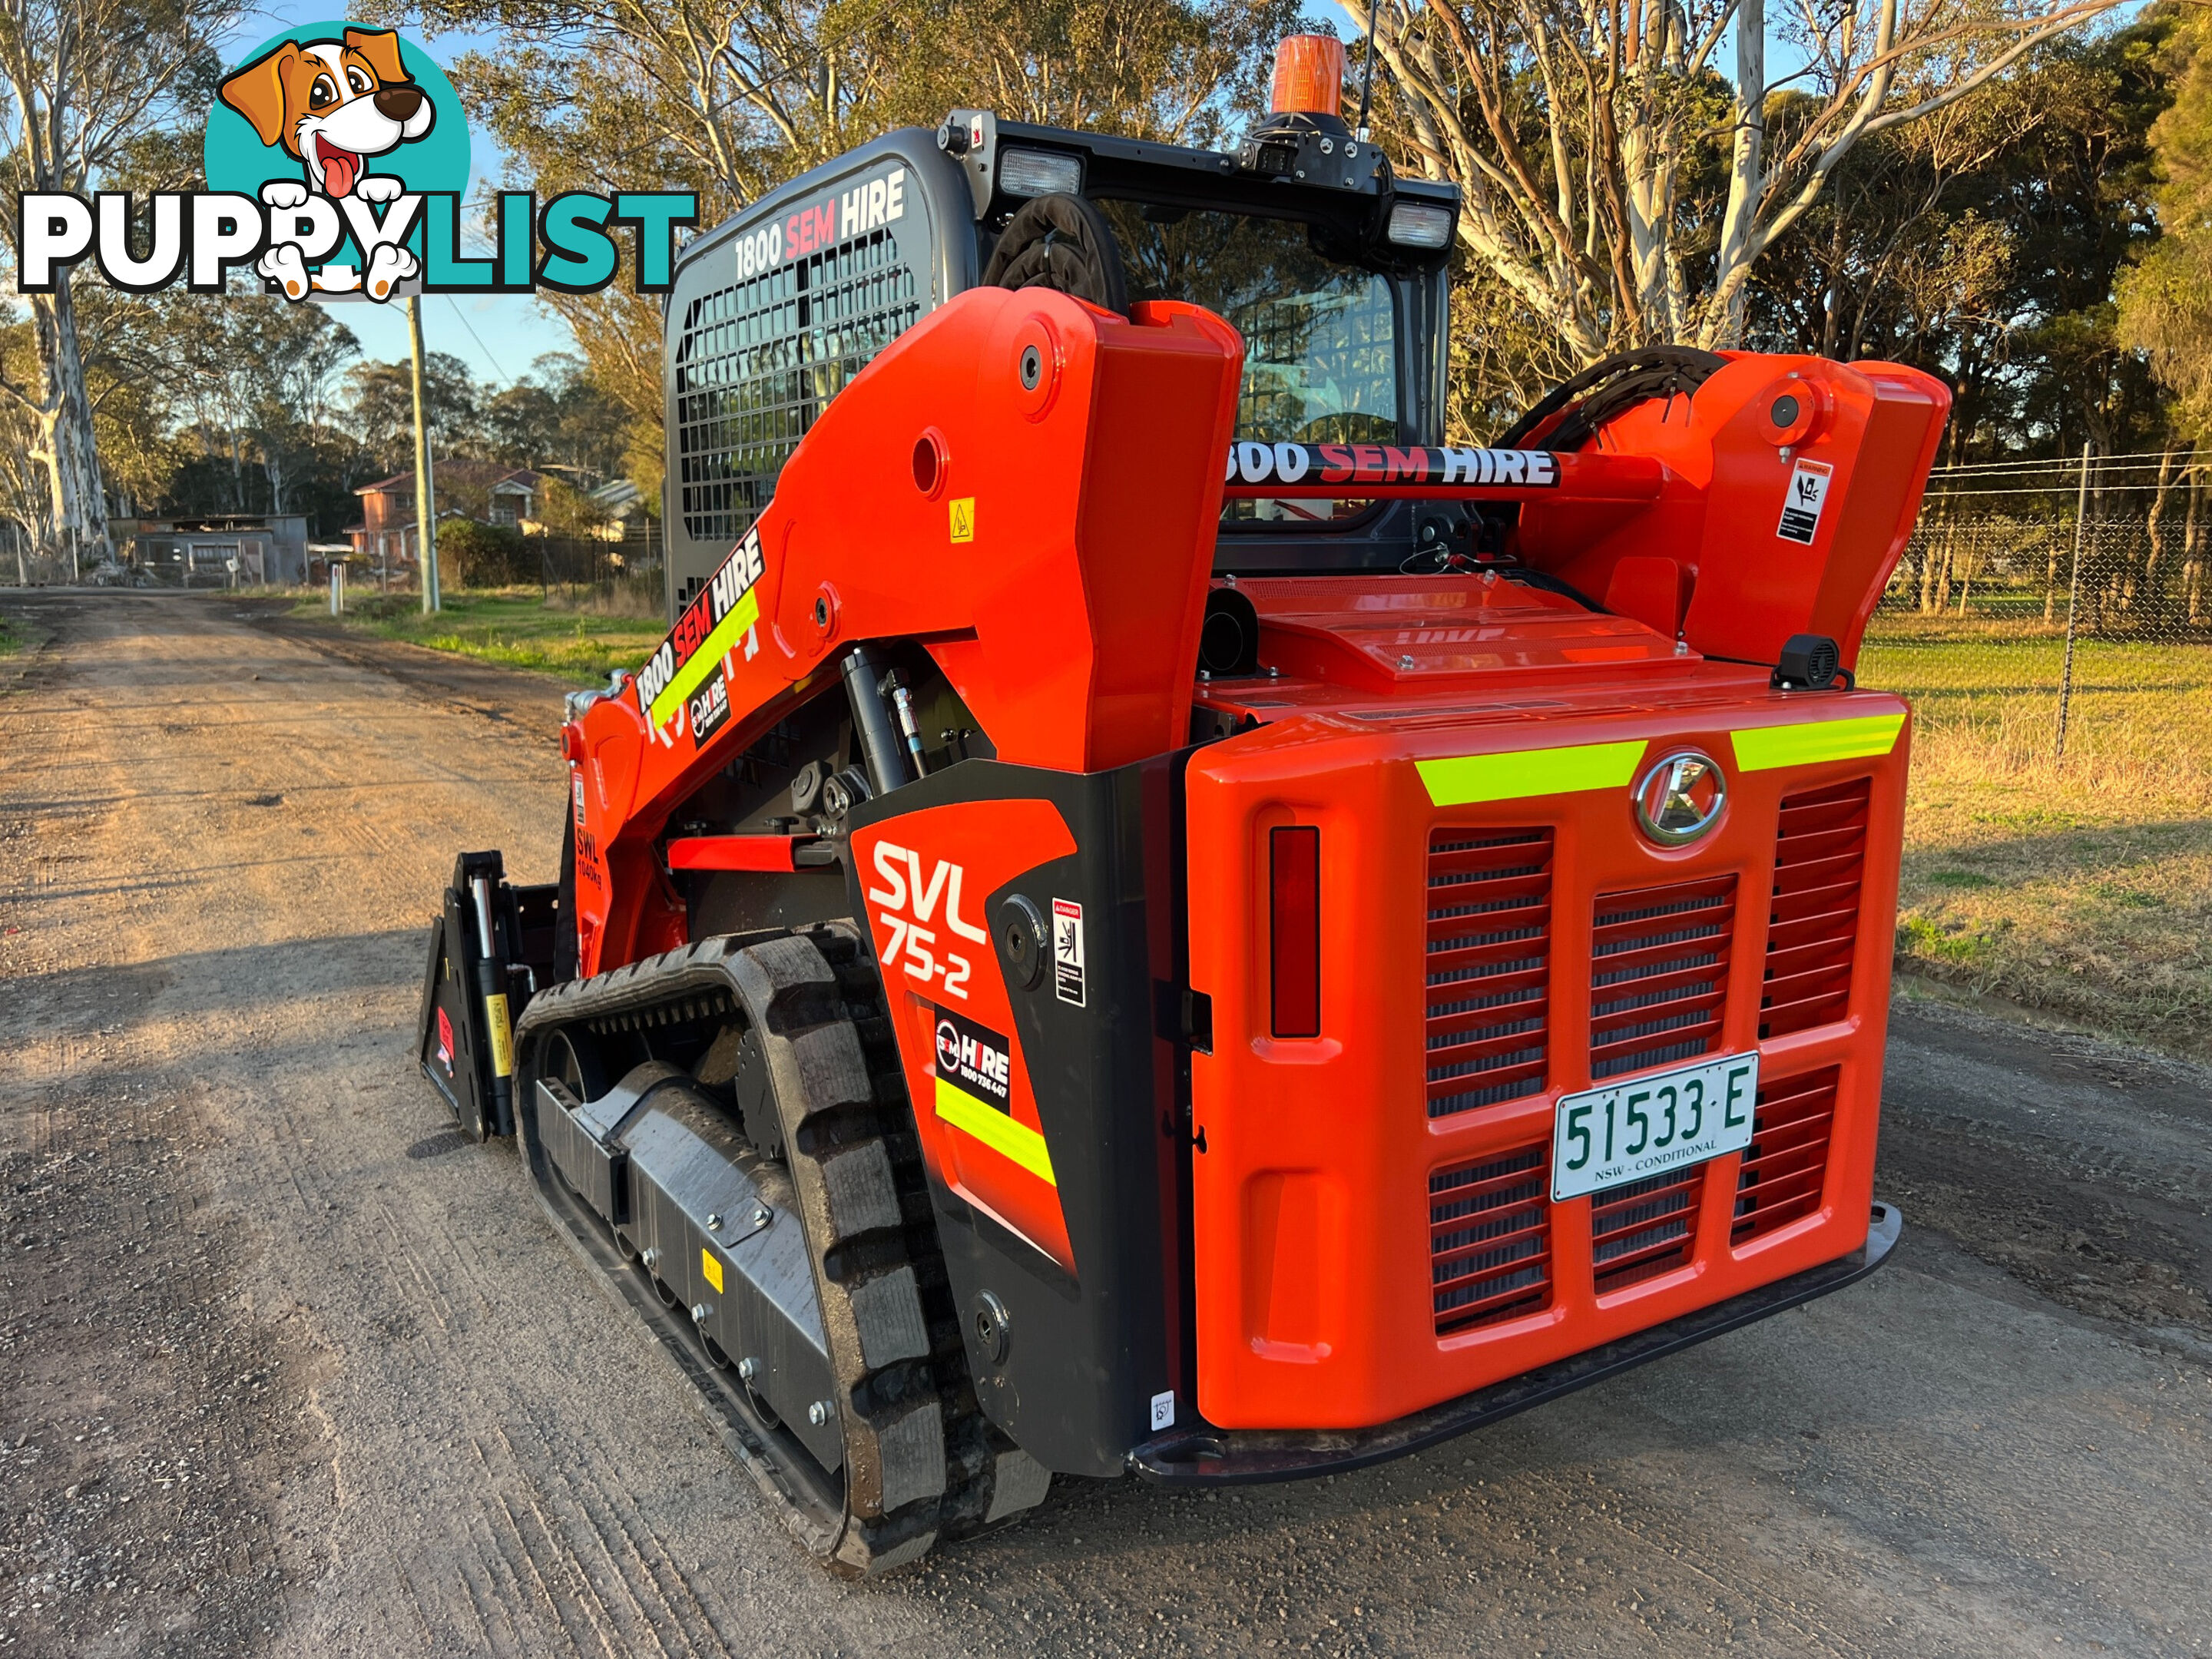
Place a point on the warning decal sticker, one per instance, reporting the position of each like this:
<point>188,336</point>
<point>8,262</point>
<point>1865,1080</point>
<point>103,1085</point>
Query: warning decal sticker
<point>1801,508</point>
<point>1068,950</point>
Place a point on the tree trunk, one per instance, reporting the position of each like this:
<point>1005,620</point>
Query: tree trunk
<point>2155,531</point>
<point>80,503</point>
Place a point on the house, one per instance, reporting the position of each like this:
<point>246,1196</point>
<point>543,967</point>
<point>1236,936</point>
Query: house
<point>483,490</point>
<point>269,548</point>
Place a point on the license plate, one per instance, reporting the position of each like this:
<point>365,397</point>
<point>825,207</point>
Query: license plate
<point>1647,1124</point>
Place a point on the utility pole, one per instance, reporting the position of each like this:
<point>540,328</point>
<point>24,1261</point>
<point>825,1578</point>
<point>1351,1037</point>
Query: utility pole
<point>426,506</point>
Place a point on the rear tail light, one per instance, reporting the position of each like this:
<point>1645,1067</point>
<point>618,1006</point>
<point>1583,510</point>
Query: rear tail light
<point>1294,930</point>
<point>1308,76</point>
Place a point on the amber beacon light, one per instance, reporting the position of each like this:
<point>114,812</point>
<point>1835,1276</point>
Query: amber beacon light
<point>1308,76</point>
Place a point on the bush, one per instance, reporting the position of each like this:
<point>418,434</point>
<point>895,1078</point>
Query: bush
<point>473,555</point>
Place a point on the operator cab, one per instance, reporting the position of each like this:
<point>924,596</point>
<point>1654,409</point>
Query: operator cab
<point>1332,267</point>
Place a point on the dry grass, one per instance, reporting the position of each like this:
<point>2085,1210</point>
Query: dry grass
<point>636,600</point>
<point>2081,888</point>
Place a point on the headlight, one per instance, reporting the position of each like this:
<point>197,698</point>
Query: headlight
<point>1039,173</point>
<point>1420,224</point>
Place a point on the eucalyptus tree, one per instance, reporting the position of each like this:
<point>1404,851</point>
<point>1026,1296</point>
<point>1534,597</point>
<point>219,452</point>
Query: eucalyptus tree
<point>82,82</point>
<point>1627,164</point>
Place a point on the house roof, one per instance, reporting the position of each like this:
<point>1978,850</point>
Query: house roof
<point>617,495</point>
<point>488,475</point>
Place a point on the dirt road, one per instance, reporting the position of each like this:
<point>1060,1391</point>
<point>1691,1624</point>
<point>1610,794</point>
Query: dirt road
<point>287,1367</point>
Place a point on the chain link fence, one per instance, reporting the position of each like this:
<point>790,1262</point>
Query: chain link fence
<point>621,578</point>
<point>615,576</point>
<point>2059,613</point>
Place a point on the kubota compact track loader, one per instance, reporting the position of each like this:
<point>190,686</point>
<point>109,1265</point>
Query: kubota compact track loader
<point>1152,913</point>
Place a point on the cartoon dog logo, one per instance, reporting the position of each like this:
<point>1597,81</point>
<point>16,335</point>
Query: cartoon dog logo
<point>331,105</point>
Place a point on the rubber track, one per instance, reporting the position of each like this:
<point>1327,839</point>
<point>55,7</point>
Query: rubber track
<point>920,1462</point>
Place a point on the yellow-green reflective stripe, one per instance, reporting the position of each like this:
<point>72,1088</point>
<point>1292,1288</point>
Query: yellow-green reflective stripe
<point>1763,748</point>
<point>1469,778</point>
<point>994,1129</point>
<point>707,658</point>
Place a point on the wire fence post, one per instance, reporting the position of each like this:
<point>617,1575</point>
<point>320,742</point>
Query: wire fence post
<point>2072,597</point>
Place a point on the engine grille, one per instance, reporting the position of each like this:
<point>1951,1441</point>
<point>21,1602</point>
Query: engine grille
<point>1645,1228</point>
<point>1787,1161</point>
<point>1488,966</point>
<point>1490,1239</point>
<point>1659,962</point>
<point>1819,859</point>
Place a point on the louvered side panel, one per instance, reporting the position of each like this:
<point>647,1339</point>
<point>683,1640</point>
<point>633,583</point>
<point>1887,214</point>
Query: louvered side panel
<point>1647,1228</point>
<point>1786,1165</point>
<point>1488,966</point>
<point>1490,1239</point>
<point>1659,963</point>
<point>1813,919</point>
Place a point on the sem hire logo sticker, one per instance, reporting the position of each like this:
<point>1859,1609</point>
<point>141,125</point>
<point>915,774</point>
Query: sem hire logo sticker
<point>337,156</point>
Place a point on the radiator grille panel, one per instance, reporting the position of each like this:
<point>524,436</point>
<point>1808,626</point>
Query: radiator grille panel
<point>1647,1228</point>
<point>1659,962</point>
<point>1489,966</point>
<point>1490,1239</point>
<point>1787,1161</point>
<point>1813,924</point>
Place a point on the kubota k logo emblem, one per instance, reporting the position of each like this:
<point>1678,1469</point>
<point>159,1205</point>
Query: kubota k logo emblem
<point>1681,798</point>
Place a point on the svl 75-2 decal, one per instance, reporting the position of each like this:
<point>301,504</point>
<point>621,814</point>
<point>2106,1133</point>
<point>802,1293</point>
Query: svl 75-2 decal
<point>908,910</point>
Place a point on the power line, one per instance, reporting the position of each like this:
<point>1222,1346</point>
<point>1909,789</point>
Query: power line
<point>477,337</point>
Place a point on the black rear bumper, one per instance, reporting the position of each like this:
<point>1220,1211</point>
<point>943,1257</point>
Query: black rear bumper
<point>1204,1456</point>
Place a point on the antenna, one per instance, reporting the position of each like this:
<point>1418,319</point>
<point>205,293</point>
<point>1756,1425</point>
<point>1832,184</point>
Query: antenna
<point>1367,69</point>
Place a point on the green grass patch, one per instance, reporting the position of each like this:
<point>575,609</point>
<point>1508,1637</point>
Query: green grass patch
<point>580,642</point>
<point>2080,887</point>
<point>19,637</point>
